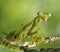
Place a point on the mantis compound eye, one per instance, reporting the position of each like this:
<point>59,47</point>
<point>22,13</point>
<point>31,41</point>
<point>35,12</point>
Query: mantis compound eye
<point>50,15</point>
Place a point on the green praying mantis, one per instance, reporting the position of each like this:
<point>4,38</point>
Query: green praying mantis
<point>28,30</point>
<point>15,36</point>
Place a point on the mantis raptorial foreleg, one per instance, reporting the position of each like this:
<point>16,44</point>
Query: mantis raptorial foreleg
<point>41,40</point>
<point>36,38</point>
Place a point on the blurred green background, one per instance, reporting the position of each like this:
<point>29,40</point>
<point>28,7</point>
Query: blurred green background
<point>13,13</point>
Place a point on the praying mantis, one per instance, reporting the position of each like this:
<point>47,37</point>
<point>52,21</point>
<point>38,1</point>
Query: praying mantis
<point>28,30</point>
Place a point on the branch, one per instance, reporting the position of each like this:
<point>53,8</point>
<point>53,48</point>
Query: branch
<point>17,47</point>
<point>51,38</point>
<point>42,40</point>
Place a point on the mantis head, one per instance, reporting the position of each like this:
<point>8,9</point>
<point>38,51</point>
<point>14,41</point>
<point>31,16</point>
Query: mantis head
<point>44,16</point>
